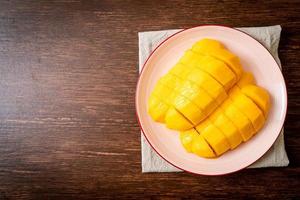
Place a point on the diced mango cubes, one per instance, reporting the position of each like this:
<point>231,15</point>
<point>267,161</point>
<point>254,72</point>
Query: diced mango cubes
<point>216,139</point>
<point>175,120</point>
<point>157,109</point>
<point>199,96</point>
<point>189,109</point>
<point>221,54</point>
<point>208,83</point>
<point>187,138</point>
<point>210,99</point>
<point>240,121</point>
<point>259,96</point>
<point>201,148</point>
<point>249,109</point>
<point>230,131</point>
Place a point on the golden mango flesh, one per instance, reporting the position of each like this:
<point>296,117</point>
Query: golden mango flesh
<point>228,128</point>
<point>194,91</point>
<point>216,139</point>
<point>201,148</point>
<point>250,110</point>
<point>175,120</point>
<point>208,97</point>
<point>214,67</point>
<point>242,123</point>
<point>259,96</point>
<point>238,119</point>
<point>157,109</point>
<point>199,97</point>
<point>188,109</point>
<point>208,83</point>
<point>187,138</point>
<point>224,55</point>
<point>218,70</point>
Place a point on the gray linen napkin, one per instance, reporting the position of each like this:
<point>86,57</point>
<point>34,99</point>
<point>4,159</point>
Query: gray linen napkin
<point>269,37</point>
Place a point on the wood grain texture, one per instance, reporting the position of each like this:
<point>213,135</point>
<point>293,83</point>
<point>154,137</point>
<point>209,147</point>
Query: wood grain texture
<point>68,72</point>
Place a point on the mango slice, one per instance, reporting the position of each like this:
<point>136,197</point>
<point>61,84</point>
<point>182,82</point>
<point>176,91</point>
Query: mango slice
<point>189,109</point>
<point>171,81</point>
<point>187,138</point>
<point>229,130</point>
<point>180,70</point>
<point>162,91</point>
<point>240,121</point>
<point>259,96</point>
<point>157,109</point>
<point>202,126</point>
<point>250,109</point>
<point>190,58</point>
<point>214,67</point>
<point>159,102</point>
<point>235,91</point>
<point>209,84</point>
<point>215,114</point>
<point>218,70</point>
<point>246,79</point>
<point>201,148</point>
<point>176,121</point>
<point>216,139</point>
<point>198,96</point>
<point>224,55</point>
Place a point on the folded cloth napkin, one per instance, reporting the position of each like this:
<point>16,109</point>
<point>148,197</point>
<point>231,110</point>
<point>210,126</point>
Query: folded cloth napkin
<point>269,37</point>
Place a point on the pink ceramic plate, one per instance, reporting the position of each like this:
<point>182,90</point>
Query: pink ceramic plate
<point>254,58</point>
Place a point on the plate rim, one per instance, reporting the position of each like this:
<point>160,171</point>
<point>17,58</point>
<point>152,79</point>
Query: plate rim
<point>138,85</point>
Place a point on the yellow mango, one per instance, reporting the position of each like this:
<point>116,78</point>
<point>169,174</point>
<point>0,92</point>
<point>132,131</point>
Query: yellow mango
<point>189,109</point>
<point>153,100</point>
<point>162,91</point>
<point>208,121</point>
<point>224,55</point>
<point>215,114</point>
<point>157,109</point>
<point>202,126</point>
<point>225,104</point>
<point>189,58</point>
<point>229,130</point>
<point>201,148</point>
<point>259,96</point>
<point>250,109</point>
<point>210,100</point>
<point>171,81</point>
<point>207,44</point>
<point>209,84</point>
<point>198,96</point>
<point>218,70</point>
<point>240,121</point>
<point>216,139</point>
<point>159,102</point>
<point>176,121</point>
<point>235,90</point>
<point>163,94</point>
<point>247,78</point>
<point>187,138</point>
<point>180,70</point>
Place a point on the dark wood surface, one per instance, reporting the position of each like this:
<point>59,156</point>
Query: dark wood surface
<point>68,72</point>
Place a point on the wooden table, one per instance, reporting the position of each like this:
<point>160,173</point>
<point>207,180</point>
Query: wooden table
<point>68,72</point>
